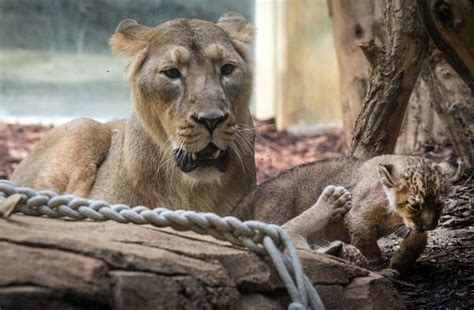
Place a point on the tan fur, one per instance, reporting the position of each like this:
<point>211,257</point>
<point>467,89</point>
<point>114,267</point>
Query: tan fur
<point>407,179</point>
<point>131,161</point>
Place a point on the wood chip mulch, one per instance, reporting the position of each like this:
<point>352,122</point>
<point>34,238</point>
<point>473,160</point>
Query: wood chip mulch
<point>17,141</point>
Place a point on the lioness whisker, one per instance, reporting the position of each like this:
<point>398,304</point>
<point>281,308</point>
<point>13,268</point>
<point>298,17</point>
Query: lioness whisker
<point>244,141</point>
<point>236,152</point>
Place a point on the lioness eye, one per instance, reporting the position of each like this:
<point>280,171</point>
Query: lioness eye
<point>172,73</point>
<point>227,69</point>
<point>415,207</point>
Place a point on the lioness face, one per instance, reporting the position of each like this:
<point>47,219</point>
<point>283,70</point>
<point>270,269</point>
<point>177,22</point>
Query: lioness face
<point>415,195</point>
<point>191,82</point>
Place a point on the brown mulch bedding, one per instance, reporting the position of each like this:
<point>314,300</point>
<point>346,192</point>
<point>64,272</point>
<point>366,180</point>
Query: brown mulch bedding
<point>442,278</point>
<point>278,151</point>
<point>16,141</point>
<point>275,151</point>
<point>458,212</point>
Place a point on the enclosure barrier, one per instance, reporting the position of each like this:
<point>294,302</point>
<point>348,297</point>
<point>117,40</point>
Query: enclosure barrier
<point>258,237</point>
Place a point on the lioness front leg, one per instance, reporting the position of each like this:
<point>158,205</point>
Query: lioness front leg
<point>330,207</point>
<point>410,249</point>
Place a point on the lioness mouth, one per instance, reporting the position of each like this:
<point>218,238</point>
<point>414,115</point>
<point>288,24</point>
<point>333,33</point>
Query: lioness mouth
<point>210,156</point>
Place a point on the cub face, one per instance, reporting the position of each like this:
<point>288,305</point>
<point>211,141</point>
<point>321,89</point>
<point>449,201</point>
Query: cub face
<point>415,193</point>
<point>191,84</point>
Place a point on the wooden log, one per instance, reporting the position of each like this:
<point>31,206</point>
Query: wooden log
<point>58,264</point>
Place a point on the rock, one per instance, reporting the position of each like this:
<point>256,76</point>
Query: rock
<point>60,264</point>
<point>141,290</point>
<point>332,296</point>
<point>372,292</point>
<point>43,267</point>
<point>258,302</point>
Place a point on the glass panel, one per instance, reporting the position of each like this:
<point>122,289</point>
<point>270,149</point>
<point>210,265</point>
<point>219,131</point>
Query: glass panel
<point>54,59</point>
<point>312,90</point>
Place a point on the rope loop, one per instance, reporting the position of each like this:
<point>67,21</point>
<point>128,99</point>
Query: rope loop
<point>57,201</point>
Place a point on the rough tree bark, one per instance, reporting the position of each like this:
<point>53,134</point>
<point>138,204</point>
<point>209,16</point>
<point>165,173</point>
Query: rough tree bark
<point>58,264</point>
<point>450,24</point>
<point>421,126</point>
<point>396,66</point>
<point>454,106</point>
<point>354,22</point>
<point>451,27</point>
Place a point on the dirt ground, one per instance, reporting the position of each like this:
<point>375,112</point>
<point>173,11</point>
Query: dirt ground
<point>443,278</point>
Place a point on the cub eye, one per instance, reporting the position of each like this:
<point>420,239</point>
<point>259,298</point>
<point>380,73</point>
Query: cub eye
<point>439,206</point>
<point>415,207</point>
<point>172,73</point>
<point>227,69</point>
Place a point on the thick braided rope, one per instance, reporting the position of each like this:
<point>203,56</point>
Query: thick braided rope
<point>258,237</point>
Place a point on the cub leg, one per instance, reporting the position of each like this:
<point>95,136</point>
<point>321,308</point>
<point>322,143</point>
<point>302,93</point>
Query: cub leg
<point>410,249</point>
<point>330,207</point>
<point>345,251</point>
<point>369,247</point>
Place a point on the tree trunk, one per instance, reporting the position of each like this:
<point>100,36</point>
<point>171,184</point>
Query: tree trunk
<point>397,64</point>
<point>450,24</point>
<point>354,22</point>
<point>421,126</point>
<point>454,105</point>
<point>58,264</point>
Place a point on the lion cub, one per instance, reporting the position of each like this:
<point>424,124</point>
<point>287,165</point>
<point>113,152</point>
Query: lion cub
<point>390,194</point>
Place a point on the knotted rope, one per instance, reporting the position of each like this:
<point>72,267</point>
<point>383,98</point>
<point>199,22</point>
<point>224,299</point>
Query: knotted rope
<point>258,237</point>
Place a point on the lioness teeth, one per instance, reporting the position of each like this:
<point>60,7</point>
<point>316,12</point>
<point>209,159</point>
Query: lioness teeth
<point>216,154</point>
<point>194,156</point>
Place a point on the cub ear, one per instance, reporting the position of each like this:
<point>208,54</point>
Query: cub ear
<point>129,38</point>
<point>386,176</point>
<point>451,172</point>
<point>237,27</point>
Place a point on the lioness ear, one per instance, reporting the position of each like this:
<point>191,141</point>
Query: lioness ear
<point>386,175</point>
<point>237,27</point>
<point>129,38</point>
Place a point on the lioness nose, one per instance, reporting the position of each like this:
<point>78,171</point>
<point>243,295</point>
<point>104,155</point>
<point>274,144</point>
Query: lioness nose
<point>210,119</point>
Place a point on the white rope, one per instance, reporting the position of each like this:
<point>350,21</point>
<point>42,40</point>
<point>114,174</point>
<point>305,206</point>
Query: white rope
<point>258,237</point>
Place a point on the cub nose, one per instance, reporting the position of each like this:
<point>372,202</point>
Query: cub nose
<point>210,119</point>
<point>430,226</point>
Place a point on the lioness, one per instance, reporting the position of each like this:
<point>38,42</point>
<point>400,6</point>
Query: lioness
<point>188,142</point>
<point>390,194</point>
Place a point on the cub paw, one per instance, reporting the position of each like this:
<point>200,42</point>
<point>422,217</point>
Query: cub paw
<point>345,251</point>
<point>337,199</point>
